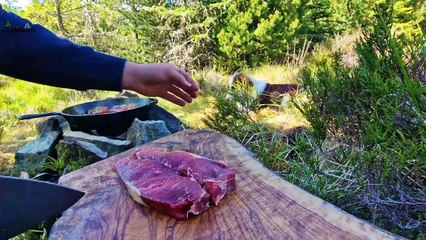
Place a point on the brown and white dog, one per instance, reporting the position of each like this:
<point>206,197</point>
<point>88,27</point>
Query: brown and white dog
<point>269,93</point>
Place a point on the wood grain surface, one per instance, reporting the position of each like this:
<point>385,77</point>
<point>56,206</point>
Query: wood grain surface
<point>263,206</point>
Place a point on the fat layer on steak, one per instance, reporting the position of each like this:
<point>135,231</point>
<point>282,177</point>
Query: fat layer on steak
<point>175,183</point>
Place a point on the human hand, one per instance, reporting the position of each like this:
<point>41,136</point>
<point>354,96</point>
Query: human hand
<point>160,80</point>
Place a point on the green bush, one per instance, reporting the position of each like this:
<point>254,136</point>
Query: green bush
<point>363,103</point>
<point>378,107</point>
<point>183,34</point>
<point>233,114</point>
<point>325,18</point>
<point>254,32</point>
<point>382,183</point>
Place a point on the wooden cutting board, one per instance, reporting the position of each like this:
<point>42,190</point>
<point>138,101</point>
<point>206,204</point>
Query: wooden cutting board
<point>263,206</point>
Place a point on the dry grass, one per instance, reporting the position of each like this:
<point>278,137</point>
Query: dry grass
<point>276,74</point>
<point>209,79</point>
<point>343,44</point>
<point>284,120</point>
<point>191,113</point>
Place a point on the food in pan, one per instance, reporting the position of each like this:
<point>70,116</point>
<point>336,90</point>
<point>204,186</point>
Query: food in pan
<point>176,183</point>
<point>104,110</point>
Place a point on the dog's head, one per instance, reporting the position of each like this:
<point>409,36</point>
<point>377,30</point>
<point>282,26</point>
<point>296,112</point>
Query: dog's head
<point>239,84</point>
<point>239,78</point>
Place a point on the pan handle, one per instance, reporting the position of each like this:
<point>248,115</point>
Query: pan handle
<point>31,116</point>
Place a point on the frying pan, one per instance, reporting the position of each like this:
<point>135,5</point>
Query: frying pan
<point>108,124</point>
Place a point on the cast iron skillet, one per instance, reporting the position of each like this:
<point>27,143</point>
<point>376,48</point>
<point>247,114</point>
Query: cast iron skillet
<point>109,124</point>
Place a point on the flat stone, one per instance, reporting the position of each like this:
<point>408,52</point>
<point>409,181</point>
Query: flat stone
<point>79,152</point>
<point>141,132</point>
<point>65,126</point>
<point>33,155</point>
<point>173,123</point>
<point>110,146</point>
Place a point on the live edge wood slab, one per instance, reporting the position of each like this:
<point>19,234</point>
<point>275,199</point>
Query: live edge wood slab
<point>263,206</point>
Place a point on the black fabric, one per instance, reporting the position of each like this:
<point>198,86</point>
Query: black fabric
<point>33,53</point>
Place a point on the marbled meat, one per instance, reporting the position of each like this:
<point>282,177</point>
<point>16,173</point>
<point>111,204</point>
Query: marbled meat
<point>176,183</point>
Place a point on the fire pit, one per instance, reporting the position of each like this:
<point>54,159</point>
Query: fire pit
<point>113,117</point>
<point>57,140</point>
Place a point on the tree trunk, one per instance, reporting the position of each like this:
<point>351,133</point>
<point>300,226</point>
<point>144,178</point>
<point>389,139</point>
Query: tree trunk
<point>89,22</point>
<point>62,29</point>
<point>135,22</point>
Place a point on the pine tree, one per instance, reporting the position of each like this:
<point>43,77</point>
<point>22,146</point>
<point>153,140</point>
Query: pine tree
<point>255,31</point>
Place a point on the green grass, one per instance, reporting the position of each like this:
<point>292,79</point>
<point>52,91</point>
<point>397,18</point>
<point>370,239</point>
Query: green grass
<point>20,97</point>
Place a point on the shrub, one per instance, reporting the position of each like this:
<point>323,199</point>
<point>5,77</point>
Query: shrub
<point>185,34</point>
<point>379,108</point>
<point>232,115</point>
<point>254,32</point>
<point>324,18</point>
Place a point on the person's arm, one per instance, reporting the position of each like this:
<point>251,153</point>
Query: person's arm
<point>38,55</point>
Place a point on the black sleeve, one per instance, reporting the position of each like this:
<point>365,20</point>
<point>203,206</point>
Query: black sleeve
<point>31,52</point>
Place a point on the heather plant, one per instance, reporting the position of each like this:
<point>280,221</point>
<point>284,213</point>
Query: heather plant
<point>378,108</point>
<point>234,113</point>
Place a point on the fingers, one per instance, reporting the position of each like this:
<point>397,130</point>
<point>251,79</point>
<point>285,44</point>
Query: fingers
<point>181,94</point>
<point>182,80</point>
<point>172,98</point>
<point>194,85</point>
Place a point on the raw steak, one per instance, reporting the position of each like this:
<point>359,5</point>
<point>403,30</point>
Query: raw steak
<point>175,183</point>
<point>214,176</point>
<point>159,187</point>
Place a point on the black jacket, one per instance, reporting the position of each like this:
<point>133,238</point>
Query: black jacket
<point>31,52</point>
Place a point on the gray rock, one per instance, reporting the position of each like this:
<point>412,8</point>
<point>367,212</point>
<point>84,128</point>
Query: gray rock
<point>173,124</point>
<point>61,120</point>
<point>142,132</point>
<point>79,152</point>
<point>110,146</point>
<point>34,154</point>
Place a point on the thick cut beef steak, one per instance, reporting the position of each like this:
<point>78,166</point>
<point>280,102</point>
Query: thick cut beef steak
<point>214,176</point>
<point>159,187</point>
<point>176,183</point>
